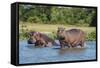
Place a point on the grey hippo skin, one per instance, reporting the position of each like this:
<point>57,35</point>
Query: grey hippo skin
<point>41,40</point>
<point>70,38</point>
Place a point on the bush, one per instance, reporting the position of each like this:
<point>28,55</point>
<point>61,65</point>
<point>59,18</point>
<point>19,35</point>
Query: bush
<point>91,36</point>
<point>23,36</point>
<point>34,19</point>
<point>52,35</point>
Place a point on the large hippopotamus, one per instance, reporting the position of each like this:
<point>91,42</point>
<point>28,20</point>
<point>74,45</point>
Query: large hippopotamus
<point>41,40</point>
<point>70,38</point>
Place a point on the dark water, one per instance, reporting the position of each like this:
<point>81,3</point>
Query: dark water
<point>31,54</point>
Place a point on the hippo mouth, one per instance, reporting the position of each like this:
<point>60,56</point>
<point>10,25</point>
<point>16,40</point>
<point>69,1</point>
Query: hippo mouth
<point>31,42</point>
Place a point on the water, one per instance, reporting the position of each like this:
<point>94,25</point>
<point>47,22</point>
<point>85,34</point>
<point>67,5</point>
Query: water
<point>31,54</point>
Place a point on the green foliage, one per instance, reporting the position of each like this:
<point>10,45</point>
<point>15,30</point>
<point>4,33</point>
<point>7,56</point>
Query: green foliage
<point>23,33</point>
<point>52,35</point>
<point>23,36</point>
<point>56,15</point>
<point>91,36</point>
<point>34,19</point>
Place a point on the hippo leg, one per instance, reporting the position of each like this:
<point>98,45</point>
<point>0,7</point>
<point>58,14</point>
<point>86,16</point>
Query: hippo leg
<point>69,45</point>
<point>62,44</point>
<point>37,43</point>
<point>82,44</point>
<point>74,45</point>
<point>43,45</point>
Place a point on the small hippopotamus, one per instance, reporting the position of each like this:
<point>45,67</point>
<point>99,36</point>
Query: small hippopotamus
<point>41,40</point>
<point>31,39</point>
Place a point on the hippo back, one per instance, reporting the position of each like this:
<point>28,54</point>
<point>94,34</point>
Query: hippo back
<point>74,35</point>
<point>46,38</point>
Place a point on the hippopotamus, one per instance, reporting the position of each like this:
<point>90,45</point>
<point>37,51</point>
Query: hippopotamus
<point>71,37</point>
<point>41,40</point>
<point>31,39</point>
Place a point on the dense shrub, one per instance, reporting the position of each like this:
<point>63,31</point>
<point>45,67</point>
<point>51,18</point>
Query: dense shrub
<point>52,35</point>
<point>33,19</point>
<point>91,36</point>
<point>56,15</point>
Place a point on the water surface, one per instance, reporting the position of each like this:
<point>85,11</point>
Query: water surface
<point>31,54</point>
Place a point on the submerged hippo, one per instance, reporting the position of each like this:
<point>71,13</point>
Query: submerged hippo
<point>71,38</point>
<point>41,39</point>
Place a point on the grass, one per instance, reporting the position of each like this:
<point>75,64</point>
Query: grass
<point>52,27</point>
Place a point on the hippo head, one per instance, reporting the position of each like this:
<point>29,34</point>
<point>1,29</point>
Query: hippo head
<point>37,35</point>
<point>31,39</point>
<point>60,32</point>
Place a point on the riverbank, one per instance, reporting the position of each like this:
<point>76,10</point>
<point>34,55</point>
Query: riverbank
<point>50,30</point>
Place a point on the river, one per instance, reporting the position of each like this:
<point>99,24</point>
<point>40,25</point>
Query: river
<point>31,54</point>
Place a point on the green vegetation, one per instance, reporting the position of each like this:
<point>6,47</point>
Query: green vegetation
<point>47,19</point>
<point>91,36</point>
<point>56,15</point>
